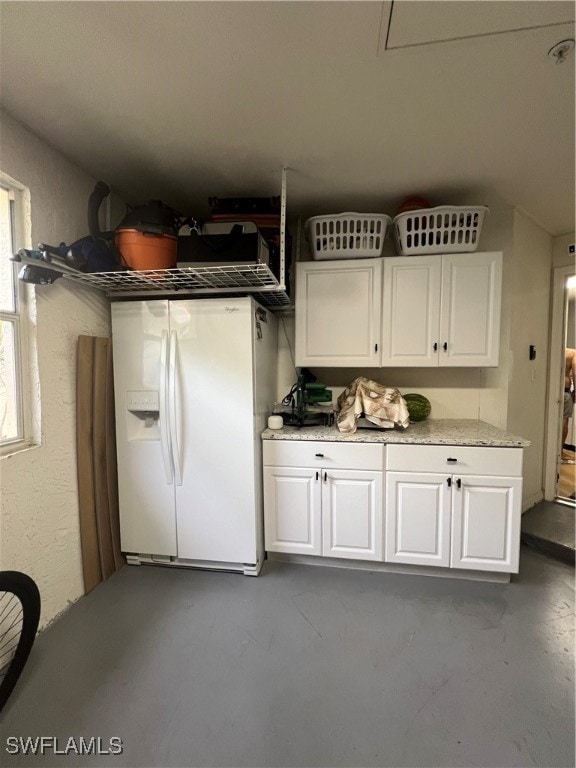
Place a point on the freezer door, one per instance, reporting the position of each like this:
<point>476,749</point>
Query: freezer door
<point>214,422</point>
<point>140,336</point>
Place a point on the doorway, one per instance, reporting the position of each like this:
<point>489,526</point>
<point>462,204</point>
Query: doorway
<point>560,473</point>
<point>565,489</point>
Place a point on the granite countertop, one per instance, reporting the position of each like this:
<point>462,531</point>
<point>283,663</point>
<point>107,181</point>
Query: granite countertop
<point>429,432</point>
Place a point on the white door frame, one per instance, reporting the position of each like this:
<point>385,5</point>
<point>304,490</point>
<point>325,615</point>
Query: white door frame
<point>555,380</point>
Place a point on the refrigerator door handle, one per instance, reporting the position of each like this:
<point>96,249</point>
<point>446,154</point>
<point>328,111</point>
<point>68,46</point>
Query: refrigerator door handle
<point>174,407</point>
<point>164,436</point>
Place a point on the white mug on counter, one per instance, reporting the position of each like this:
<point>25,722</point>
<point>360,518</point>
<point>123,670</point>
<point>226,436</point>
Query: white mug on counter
<point>275,421</point>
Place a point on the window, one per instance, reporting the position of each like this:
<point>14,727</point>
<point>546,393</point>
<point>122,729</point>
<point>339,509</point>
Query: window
<point>14,411</point>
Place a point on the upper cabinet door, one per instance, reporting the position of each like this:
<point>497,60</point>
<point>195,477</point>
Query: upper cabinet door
<point>411,311</point>
<point>442,310</point>
<point>470,316</point>
<point>338,313</point>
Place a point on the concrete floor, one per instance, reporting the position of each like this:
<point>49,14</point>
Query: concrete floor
<point>549,527</point>
<point>308,666</point>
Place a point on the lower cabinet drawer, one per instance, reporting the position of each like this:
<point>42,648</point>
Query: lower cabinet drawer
<point>325,455</point>
<point>455,459</point>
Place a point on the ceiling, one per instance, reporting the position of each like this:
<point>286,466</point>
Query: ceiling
<point>365,102</point>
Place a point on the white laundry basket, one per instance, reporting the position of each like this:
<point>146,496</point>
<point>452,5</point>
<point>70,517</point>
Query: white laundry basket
<point>347,235</point>
<point>445,229</point>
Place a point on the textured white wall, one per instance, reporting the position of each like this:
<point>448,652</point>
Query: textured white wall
<point>560,255</point>
<point>498,235</point>
<point>528,379</point>
<point>39,526</point>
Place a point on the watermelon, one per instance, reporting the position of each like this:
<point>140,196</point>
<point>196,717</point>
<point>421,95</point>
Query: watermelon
<point>418,406</point>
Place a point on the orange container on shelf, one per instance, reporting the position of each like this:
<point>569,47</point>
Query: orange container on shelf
<point>143,250</point>
<point>413,204</point>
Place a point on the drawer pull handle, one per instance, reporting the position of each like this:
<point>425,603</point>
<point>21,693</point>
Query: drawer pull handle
<point>319,455</point>
<point>451,460</point>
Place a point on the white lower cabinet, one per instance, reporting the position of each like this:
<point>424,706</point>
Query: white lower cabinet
<point>446,506</point>
<point>292,510</point>
<point>333,508</point>
<point>486,514</point>
<point>417,518</point>
<point>457,519</point>
<point>352,514</point>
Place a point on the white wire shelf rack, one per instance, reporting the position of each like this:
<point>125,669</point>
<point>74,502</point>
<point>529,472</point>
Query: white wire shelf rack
<point>256,280</point>
<point>239,279</point>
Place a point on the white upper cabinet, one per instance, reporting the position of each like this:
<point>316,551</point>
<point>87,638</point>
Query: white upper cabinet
<point>442,310</point>
<point>338,307</point>
<point>411,299</point>
<point>470,313</point>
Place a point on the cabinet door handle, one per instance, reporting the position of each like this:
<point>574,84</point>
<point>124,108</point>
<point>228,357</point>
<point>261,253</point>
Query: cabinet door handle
<point>451,460</point>
<point>319,455</point>
<point>459,483</point>
<point>325,476</point>
<point>449,481</point>
<point>317,475</point>
<point>375,347</point>
<point>435,346</point>
<point>445,346</point>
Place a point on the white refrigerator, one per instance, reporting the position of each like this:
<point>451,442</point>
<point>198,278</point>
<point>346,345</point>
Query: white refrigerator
<point>194,382</point>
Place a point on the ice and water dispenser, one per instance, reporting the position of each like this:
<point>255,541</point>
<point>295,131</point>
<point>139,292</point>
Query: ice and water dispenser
<point>143,411</point>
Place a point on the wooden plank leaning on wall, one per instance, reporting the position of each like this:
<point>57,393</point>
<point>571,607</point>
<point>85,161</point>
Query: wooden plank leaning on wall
<point>96,458</point>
